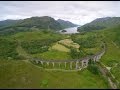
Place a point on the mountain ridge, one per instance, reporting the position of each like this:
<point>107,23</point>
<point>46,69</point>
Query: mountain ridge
<point>100,23</point>
<point>33,23</point>
<point>66,24</point>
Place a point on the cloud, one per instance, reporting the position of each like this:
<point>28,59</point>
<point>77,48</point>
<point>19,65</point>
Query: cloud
<point>79,12</point>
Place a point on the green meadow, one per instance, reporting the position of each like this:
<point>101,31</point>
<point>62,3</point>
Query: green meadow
<point>18,72</point>
<point>21,74</point>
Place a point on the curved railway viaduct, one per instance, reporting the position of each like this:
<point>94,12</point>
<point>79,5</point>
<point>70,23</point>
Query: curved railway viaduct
<point>79,63</point>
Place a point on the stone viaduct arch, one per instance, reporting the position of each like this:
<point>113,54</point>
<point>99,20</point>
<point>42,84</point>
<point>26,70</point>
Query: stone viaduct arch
<point>83,61</point>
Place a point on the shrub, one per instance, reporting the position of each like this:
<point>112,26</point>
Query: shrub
<point>44,83</point>
<point>8,49</point>
<point>37,46</point>
<point>93,68</point>
<point>74,54</point>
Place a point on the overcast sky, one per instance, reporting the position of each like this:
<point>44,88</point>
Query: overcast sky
<point>79,12</point>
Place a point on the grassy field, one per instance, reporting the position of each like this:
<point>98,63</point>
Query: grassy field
<point>69,43</point>
<point>59,47</point>
<point>112,59</point>
<point>116,71</point>
<point>53,54</point>
<point>36,35</point>
<point>92,50</point>
<point>112,56</point>
<point>58,51</point>
<point>20,74</point>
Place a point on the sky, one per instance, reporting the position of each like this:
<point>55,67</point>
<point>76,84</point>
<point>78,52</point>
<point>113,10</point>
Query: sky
<point>78,12</point>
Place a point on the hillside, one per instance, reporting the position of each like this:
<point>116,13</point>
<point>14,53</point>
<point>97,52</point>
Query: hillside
<point>45,45</point>
<point>44,22</point>
<point>111,59</point>
<point>100,23</point>
<point>66,24</point>
<point>24,74</point>
<point>33,24</point>
<point>8,22</point>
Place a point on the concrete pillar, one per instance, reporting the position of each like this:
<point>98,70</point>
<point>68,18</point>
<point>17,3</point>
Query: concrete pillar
<point>53,64</point>
<point>41,62</point>
<point>77,64</point>
<point>37,61</point>
<point>59,64</point>
<point>48,63</point>
<point>71,65</point>
<point>97,58</point>
<point>65,64</point>
<point>101,55</point>
<point>82,63</point>
<point>87,62</point>
<point>93,59</point>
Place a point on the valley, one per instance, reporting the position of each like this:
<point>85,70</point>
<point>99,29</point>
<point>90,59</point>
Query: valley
<point>44,58</point>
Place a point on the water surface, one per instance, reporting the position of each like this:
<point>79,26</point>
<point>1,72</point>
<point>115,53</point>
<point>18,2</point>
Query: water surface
<point>69,30</point>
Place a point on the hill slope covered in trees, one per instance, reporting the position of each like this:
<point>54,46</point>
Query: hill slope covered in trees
<point>66,24</point>
<point>100,23</point>
<point>33,23</point>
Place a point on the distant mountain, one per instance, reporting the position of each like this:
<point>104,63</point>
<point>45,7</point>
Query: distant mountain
<point>66,24</point>
<point>8,22</point>
<point>33,23</point>
<point>44,22</point>
<point>100,23</point>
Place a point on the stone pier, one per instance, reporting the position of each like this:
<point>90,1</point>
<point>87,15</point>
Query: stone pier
<point>71,65</point>
<point>41,62</point>
<point>77,66</point>
<point>65,64</point>
<point>85,62</point>
<point>81,63</point>
<point>37,61</point>
<point>48,63</point>
<point>59,64</point>
<point>94,59</point>
<point>53,64</point>
<point>97,58</point>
